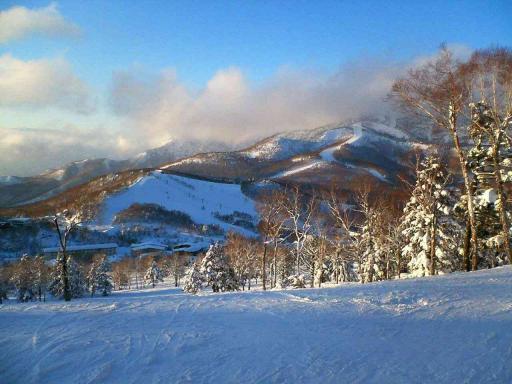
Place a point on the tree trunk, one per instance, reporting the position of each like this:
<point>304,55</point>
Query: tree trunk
<point>466,251</point>
<point>264,267</point>
<point>468,187</point>
<point>501,196</point>
<point>433,245</point>
<point>65,278</point>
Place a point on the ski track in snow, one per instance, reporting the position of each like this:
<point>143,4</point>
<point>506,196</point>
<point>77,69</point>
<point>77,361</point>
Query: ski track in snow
<point>448,329</point>
<point>327,156</point>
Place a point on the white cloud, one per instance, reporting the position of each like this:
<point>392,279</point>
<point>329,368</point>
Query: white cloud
<point>31,151</point>
<point>19,22</point>
<point>42,83</point>
<point>158,106</point>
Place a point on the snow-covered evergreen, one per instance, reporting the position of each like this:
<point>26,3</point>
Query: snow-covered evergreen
<point>193,280</point>
<point>24,279</point>
<point>77,281</point>
<point>216,271</point>
<point>428,227</point>
<point>98,278</point>
<point>153,275</point>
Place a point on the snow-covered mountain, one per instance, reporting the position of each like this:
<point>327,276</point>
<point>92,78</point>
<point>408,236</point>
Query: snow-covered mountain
<point>344,153</point>
<point>24,190</point>
<point>347,152</point>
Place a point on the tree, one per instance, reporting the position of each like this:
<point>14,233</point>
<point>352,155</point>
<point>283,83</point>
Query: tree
<point>344,237</point>
<point>42,277</point>
<point>427,225</point>
<point>174,266</point>
<point>371,241</point>
<point>153,274</point>
<point>75,280</point>
<point>98,278</point>
<point>242,253</point>
<point>270,208</point>
<point>216,271</point>
<point>438,90</point>
<point>65,223</point>
<point>4,282</point>
<point>24,279</point>
<point>299,210</point>
<point>120,275</point>
<point>193,280</point>
<point>489,79</point>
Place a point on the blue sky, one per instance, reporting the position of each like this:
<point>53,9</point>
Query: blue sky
<point>108,55</point>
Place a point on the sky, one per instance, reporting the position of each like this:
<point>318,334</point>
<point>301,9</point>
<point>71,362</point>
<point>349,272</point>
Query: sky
<point>83,79</point>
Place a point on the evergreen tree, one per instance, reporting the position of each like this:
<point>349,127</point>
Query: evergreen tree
<point>153,274</point>
<point>76,279</point>
<point>428,227</point>
<point>216,271</point>
<point>98,278</point>
<point>490,160</point>
<point>24,279</point>
<point>193,280</point>
<point>42,276</point>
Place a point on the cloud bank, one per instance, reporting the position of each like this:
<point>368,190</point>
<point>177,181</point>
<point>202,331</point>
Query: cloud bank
<point>19,22</point>
<point>157,107</point>
<point>146,109</point>
<point>42,83</point>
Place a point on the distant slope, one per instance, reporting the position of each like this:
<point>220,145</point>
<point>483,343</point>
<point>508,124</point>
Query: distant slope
<point>205,202</point>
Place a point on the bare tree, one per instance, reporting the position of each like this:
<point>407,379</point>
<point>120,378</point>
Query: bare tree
<point>439,91</point>
<point>270,208</point>
<point>489,79</point>
<point>299,210</point>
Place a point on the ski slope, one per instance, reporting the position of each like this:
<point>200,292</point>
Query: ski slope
<point>449,329</point>
<point>198,198</point>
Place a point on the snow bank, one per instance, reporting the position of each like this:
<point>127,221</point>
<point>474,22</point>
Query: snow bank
<point>449,329</point>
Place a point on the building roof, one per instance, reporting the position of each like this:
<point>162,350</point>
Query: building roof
<point>81,247</point>
<point>148,245</point>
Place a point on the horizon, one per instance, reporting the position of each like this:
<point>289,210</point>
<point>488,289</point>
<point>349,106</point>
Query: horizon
<point>113,79</point>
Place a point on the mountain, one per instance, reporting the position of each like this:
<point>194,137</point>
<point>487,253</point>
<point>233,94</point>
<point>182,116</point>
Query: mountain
<point>16,191</point>
<point>348,154</point>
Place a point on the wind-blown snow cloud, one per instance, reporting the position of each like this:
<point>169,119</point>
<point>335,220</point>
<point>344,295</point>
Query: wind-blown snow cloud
<point>42,83</point>
<point>19,22</point>
<point>26,151</point>
<point>159,106</point>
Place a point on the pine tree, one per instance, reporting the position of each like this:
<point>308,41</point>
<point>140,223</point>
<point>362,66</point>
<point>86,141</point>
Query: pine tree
<point>98,278</point>
<point>42,276</point>
<point>428,227</point>
<point>216,271</point>
<point>24,279</point>
<point>193,280</point>
<point>76,279</point>
<point>370,242</point>
<point>490,160</point>
<point>153,274</point>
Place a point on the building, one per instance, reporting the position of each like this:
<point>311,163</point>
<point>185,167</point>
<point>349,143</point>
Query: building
<point>82,251</point>
<point>149,249</point>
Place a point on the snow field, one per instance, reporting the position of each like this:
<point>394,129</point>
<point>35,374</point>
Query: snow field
<point>449,329</point>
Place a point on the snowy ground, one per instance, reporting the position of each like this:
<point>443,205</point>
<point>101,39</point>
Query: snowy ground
<point>450,329</point>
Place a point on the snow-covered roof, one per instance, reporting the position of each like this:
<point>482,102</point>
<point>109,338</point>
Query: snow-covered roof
<point>82,247</point>
<point>148,245</point>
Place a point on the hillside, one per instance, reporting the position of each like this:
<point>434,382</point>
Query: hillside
<point>345,153</point>
<point>448,329</point>
<point>16,191</point>
<point>205,202</point>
